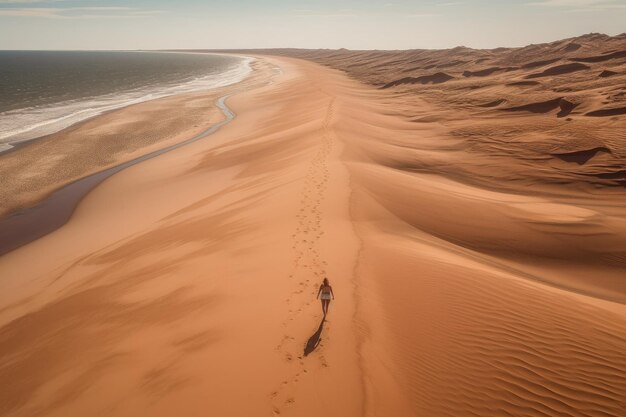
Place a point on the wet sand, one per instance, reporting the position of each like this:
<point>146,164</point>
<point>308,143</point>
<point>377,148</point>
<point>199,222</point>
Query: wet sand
<point>187,282</point>
<point>44,165</point>
<point>54,211</point>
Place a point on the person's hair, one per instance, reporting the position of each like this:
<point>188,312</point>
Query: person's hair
<point>326,281</point>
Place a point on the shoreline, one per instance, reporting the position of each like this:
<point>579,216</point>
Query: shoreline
<point>20,144</point>
<point>53,211</point>
<point>108,139</point>
<point>245,67</point>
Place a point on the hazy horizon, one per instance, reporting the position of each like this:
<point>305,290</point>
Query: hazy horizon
<point>247,24</point>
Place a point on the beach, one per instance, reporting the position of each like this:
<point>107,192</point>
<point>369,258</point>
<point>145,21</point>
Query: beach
<point>186,284</point>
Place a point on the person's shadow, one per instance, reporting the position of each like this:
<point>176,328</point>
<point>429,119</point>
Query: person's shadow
<point>314,340</point>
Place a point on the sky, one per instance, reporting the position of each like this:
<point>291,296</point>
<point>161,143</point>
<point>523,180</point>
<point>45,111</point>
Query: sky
<point>352,24</point>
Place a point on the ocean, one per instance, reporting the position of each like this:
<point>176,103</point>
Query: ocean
<point>42,92</point>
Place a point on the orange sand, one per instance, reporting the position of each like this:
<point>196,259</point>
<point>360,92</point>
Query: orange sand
<point>186,285</point>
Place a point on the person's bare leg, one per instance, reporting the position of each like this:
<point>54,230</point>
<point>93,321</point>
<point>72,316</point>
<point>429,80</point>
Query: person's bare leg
<point>323,306</point>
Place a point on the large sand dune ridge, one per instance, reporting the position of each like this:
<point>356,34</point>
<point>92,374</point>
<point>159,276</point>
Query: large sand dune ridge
<point>478,267</point>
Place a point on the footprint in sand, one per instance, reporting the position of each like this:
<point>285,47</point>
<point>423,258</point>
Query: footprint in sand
<point>323,361</point>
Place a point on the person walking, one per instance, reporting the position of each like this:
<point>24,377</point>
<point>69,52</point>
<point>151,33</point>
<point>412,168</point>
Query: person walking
<point>325,294</point>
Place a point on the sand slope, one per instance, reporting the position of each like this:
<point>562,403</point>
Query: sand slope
<point>185,285</point>
<point>188,282</point>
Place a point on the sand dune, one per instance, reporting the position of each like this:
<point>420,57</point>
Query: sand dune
<point>477,255</point>
<point>485,72</point>
<point>607,73</point>
<point>541,107</point>
<point>607,112</point>
<point>601,58</point>
<point>532,137</point>
<point>535,64</point>
<point>583,156</point>
<point>437,78</point>
<point>560,70</point>
<point>493,103</point>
